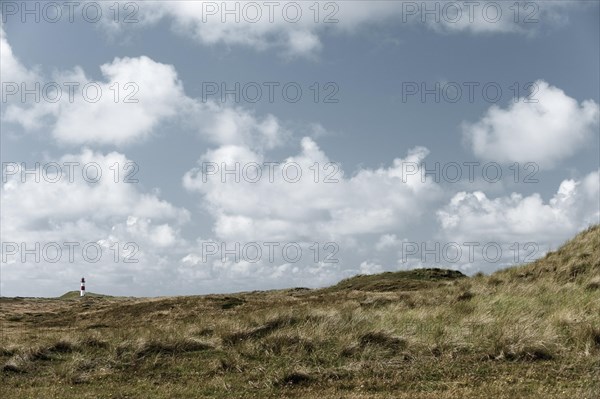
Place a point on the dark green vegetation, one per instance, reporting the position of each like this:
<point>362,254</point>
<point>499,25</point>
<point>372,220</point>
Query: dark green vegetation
<point>527,332</point>
<point>399,281</point>
<point>75,295</point>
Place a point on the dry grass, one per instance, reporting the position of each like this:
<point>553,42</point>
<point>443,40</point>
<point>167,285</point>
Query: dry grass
<point>526,332</point>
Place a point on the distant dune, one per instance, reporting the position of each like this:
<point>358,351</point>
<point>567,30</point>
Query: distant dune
<point>75,295</point>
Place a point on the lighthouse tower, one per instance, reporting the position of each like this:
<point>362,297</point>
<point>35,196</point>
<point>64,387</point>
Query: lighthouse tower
<point>82,290</point>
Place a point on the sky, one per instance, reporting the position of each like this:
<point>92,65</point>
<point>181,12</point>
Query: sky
<point>191,147</point>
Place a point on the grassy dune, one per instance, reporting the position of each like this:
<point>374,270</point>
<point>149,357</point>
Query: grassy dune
<point>527,332</point>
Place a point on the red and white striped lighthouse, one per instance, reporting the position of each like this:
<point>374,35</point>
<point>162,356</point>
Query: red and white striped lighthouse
<point>82,290</point>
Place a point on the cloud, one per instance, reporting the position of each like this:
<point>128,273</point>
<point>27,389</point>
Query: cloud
<point>387,241</point>
<point>228,276</point>
<point>546,128</point>
<point>235,126</point>
<point>41,209</point>
<point>370,268</point>
<point>370,201</point>
<point>349,211</point>
<point>257,27</point>
<point>477,233</point>
<point>474,217</point>
<point>296,29</point>
<point>73,206</point>
<point>135,96</point>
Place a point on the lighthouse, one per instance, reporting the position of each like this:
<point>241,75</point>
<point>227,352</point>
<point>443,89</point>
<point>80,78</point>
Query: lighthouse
<point>82,290</point>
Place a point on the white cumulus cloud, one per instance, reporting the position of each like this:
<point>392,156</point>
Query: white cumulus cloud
<point>134,97</point>
<point>546,128</point>
<point>127,106</point>
<point>330,204</point>
<point>474,216</point>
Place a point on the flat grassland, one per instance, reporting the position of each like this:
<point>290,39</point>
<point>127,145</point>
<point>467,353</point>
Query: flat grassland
<point>531,331</point>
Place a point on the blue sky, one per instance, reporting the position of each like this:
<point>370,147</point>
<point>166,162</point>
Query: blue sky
<point>372,217</point>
